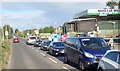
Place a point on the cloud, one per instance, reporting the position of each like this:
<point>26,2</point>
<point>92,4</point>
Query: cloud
<point>55,0</point>
<point>24,15</point>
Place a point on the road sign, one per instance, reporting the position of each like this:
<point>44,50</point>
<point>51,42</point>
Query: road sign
<point>102,14</point>
<point>6,33</point>
<point>28,34</point>
<point>36,31</point>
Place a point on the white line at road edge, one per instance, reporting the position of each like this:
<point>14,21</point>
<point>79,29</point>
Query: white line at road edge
<point>65,68</point>
<point>10,57</point>
<point>43,54</point>
<point>53,60</point>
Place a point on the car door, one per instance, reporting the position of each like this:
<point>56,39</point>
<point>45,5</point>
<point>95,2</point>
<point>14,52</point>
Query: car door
<point>110,60</point>
<point>78,51</point>
<point>69,50</point>
<point>74,52</point>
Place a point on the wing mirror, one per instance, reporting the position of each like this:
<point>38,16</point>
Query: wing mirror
<point>109,44</point>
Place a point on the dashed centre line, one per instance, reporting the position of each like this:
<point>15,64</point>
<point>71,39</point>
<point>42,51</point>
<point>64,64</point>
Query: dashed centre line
<point>37,50</point>
<point>43,54</point>
<point>65,68</point>
<point>53,60</point>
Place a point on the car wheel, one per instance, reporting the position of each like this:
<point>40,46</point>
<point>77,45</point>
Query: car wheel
<point>100,69</point>
<point>66,59</point>
<point>81,66</point>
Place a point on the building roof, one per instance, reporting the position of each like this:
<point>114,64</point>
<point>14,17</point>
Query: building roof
<point>98,13</point>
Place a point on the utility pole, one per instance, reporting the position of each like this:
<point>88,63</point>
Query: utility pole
<point>119,5</point>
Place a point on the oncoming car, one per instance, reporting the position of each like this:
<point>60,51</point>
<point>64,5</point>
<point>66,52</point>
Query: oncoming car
<point>16,40</point>
<point>85,50</point>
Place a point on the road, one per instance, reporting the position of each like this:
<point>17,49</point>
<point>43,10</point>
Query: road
<point>28,57</point>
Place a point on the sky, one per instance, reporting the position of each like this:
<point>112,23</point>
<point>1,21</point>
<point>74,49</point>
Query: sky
<point>34,14</point>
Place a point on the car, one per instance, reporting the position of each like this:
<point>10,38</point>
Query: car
<point>45,45</point>
<point>56,48</point>
<point>38,43</point>
<point>84,51</point>
<point>16,40</point>
<point>110,61</point>
<point>31,40</point>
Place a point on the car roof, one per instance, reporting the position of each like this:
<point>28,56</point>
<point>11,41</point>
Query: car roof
<point>113,51</point>
<point>58,42</point>
<point>84,37</point>
<point>32,36</point>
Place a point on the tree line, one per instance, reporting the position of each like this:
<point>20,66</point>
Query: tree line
<point>24,33</point>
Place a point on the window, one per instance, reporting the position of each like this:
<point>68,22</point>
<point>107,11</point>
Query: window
<point>78,44</point>
<point>118,59</point>
<point>112,56</point>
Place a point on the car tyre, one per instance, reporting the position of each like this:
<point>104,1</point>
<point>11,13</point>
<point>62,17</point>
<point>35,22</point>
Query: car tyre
<point>100,69</point>
<point>81,66</point>
<point>66,59</point>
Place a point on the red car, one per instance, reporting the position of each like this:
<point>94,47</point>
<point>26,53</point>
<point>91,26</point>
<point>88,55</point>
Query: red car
<point>15,40</point>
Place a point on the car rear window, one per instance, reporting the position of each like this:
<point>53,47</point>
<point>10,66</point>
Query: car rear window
<point>32,37</point>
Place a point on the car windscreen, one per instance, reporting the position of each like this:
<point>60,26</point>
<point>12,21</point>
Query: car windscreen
<point>94,43</point>
<point>47,43</point>
<point>58,45</point>
<point>118,58</point>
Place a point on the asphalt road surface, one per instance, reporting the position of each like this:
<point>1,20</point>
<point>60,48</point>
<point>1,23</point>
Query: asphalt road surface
<point>24,56</point>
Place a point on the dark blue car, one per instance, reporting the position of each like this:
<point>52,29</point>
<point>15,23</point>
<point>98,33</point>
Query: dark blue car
<point>84,51</point>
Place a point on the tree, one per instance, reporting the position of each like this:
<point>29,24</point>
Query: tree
<point>111,4</point>
<point>9,29</point>
<point>16,30</point>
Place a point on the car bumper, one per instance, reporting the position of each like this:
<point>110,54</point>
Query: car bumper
<point>58,52</point>
<point>86,63</point>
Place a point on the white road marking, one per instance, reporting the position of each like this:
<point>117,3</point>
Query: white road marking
<point>37,50</point>
<point>65,68</point>
<point>43,54</point>
<point>53,60</point>
<point>10,57</point>
<point>29,46</point>
<point>32,48</point>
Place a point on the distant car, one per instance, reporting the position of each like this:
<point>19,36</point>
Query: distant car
<point>110,61</point>
<point>38,43</point>
<point>45,44</point>
<point>16,40</point>
<point>56,48</point>
<point>84,51</point>
<point>31,40</point>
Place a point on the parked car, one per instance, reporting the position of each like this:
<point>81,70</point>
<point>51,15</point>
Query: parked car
<point>110,61</point>
<point>45,44</point>
<point>85,50</point>
<point>56,48</point>
<point>38,43</point>
<point>31,40</point>
<point>16,40</point>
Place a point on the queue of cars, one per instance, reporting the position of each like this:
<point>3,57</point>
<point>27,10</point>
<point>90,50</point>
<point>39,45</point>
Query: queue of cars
<point>82,51</point>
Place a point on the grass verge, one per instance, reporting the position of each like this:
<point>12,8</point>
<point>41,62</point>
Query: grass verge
<point>4,54</point>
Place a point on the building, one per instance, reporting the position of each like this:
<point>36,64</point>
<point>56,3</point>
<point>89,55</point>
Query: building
<point>108,21</point>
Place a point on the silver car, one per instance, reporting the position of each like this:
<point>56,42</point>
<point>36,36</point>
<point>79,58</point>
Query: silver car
<point>110,61</point>
<point>31,40</point>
